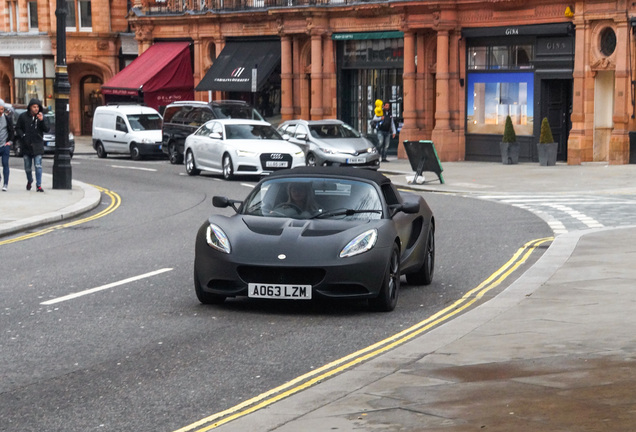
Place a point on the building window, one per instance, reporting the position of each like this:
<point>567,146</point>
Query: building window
<point>33,16</point>
<point>70,16</point>
<point>85,15</point>
<point>500,57</point>
<point>608,42</point>
<point>493,96</point>
<point>79,10</point>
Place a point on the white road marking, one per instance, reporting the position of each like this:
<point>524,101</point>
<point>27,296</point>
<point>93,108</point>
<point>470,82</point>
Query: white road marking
<point>134,168</point>
<point>104,287</point>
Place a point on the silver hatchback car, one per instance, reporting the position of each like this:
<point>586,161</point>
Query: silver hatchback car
<point>331,142</point>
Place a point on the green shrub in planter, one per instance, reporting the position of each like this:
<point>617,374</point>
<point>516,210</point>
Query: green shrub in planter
<point>547,148</point>
<point>509,145</point>
<point>546,132</point>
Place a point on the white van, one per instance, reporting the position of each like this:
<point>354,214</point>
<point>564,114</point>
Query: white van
<point>127,129</point>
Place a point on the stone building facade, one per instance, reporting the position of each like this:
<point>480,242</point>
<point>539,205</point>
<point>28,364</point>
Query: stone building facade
<point>98,44</point>
<point>453,70</point>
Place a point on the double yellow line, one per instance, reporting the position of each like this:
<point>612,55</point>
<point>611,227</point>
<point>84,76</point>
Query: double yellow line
<point>115,202</point>
<point>329,370</point>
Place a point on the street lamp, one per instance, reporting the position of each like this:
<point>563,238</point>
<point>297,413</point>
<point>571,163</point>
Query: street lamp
<point>62,174</point>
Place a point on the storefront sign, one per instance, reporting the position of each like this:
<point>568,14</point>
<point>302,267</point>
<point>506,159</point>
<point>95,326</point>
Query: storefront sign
<point>25,45</point>
<point>552,46</point>
<point>28,68</point>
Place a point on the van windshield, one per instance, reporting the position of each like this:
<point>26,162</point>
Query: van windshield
<point>140,122</point>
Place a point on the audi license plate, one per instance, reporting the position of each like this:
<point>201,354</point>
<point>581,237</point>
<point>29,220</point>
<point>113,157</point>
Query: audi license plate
<point>275,291</point>
<point>355,160</point>
<point>276,164</point>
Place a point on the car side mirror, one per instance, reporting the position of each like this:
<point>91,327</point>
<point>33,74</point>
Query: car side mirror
<point>224,202</point>
<point>409,207</point>
<point>302,137</point>
<point>216,135</point>
<point>286,137</point>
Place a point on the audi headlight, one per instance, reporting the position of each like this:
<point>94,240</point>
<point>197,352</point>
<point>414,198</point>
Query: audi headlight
<point>245,153</point>
<point>217,239</point>
<point>360,244</point>
<point>299,153</point>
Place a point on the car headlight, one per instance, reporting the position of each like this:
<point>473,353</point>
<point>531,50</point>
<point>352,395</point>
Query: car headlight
<point>372,150</point>
<point>299,153</point>
<point>245,153</point>
<point>360,244</point>
<point>217,239</point>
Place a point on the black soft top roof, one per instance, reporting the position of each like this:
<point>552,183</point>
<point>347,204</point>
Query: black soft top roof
<point>347,172</point>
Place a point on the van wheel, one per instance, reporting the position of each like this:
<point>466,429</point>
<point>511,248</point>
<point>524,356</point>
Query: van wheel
<point>101,152</point>
<point>190,165</point>
<point>135,154</point>
<point>173,154</point>
<point>228,168</point>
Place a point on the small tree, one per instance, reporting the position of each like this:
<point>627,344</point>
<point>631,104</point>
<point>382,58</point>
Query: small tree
<point>509,135</point>
<point>546,132</point>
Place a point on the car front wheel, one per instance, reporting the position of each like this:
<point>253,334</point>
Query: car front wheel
<point>388,296</point>
<point>311,159</point>
<point>190,164</point>
<point>135,154</point>
<point>228,168</point>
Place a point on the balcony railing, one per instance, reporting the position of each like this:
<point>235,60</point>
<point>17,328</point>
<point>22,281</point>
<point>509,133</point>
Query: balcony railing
<point>165,7</point>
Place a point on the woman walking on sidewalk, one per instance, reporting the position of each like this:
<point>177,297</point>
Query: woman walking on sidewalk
<point>6,139</point>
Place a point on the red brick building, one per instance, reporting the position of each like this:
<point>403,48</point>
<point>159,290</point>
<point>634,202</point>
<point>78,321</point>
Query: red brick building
<point>99,44</point>
<point>453,70</point>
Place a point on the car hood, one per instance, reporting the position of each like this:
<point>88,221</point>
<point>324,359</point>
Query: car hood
<point>267,238</point>
<point>349,145</point>
<point>264,146</point>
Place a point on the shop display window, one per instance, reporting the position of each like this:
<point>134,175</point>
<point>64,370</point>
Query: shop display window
<point>493,96</point>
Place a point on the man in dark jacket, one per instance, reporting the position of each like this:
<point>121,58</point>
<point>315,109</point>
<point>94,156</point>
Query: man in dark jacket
<point>6,139</point>
<point>31,127</point>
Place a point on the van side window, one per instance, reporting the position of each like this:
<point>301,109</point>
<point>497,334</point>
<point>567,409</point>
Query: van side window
<point>120,124</point>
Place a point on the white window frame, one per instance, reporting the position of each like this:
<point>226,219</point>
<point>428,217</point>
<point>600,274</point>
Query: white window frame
<point>29,4</point>
<point>80,5</point>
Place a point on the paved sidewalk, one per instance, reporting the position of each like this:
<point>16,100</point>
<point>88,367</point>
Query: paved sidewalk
<point>554,351</point>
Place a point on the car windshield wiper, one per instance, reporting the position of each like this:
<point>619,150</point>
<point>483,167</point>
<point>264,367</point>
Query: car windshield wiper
<point>341,212</point>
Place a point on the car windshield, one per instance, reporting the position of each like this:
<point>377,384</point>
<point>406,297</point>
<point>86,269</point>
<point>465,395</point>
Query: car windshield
<point>314,198</point>
<point>140,122</point>
<point>236,112</point>
<point>250,131</point>
<point>332,131</point>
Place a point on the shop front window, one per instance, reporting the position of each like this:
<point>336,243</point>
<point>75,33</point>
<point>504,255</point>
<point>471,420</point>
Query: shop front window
<point>500,57</point>
<point>493,96</point>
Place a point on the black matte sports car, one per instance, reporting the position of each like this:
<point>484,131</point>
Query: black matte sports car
<point>315,232</point>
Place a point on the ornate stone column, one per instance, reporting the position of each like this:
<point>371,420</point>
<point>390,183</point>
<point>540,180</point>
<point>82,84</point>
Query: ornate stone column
<point>409,129</point>
<point>619,141</point>
<point>579,148</point>
<point>316,76</point>
<point>286,78</point>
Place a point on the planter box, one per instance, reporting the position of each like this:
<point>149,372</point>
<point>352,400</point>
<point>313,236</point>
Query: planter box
<point>509,153</point>
<point>547,153</point>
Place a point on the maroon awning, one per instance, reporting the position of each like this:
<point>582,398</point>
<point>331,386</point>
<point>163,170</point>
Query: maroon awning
<point>163,74</point>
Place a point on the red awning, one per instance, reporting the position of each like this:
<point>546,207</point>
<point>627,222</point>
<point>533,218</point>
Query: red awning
<point>163,68</point>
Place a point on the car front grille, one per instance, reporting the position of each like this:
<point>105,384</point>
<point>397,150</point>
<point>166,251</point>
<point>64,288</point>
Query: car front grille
<point>274,161</point>
<point>281,275</point>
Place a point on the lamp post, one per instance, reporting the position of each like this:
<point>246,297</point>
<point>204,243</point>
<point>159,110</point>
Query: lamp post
<point>62,174</point>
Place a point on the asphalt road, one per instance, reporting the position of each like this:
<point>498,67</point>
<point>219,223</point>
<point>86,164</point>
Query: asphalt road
<point>143,354</point>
